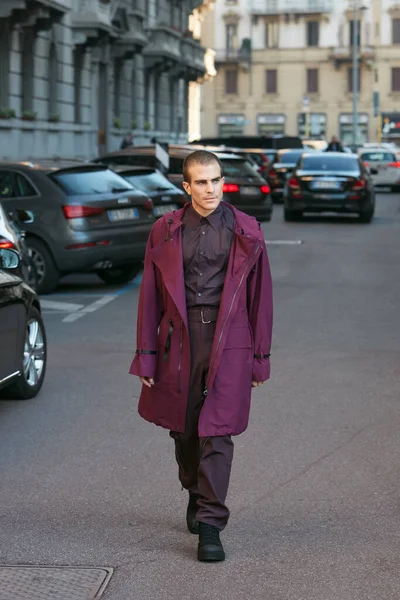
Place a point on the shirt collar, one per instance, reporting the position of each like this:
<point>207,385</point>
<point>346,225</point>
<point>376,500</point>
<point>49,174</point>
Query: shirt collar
<point>193,219</point>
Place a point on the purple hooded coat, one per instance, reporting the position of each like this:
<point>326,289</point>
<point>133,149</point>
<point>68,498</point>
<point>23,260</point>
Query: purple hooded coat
<point>242,341</point>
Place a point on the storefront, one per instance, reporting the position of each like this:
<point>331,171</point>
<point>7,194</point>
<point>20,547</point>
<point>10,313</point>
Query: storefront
<point>271,124</point>
<point>391,126</point>
<point>311,126</point>
<point>346,128</point>
<point>231,125</point>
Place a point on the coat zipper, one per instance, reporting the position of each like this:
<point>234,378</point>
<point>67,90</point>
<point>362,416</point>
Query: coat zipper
<point>205,393</point>
<point>180,357</point>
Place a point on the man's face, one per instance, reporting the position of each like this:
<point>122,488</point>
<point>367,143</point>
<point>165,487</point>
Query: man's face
<point>205,187</point>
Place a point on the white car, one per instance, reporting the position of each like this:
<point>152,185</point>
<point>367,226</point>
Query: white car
<point>384,166</point>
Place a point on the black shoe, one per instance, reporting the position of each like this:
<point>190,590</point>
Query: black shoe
<point>210,548</point>
<point>191,521</point>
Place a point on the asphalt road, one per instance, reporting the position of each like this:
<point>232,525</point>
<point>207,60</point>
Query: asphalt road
<point>315,484</point>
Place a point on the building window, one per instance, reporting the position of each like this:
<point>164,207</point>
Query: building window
<point>396,79</point>
<point>396,31</point>
<point>353,25</point>
<point>267,35</point>
<point>350,80</point>
<point>271,81</point>
<point>53,81</point>
<point>312,33</point>
<point>232,124</point>
<point>231,37</point>
<point>4,63</point>
<point>27,70</point>
<point>231,83</point>
<point>78,56</point>
<point>312,81</point>
<point>311,125</point>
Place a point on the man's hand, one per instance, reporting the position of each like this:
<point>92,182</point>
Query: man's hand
<point>147,381</point>
<point>257,383</point>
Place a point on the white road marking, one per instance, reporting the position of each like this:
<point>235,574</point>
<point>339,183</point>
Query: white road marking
<point>284,242</point>
<point>60,306</point>
<point>90,308</point>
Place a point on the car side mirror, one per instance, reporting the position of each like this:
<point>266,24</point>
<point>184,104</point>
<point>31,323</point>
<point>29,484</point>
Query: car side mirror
<point>25,216</point>
<point>9,259</point>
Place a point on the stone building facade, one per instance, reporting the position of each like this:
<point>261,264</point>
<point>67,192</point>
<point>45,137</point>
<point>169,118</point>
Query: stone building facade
<point>77,75</point>
<point>286,66</point>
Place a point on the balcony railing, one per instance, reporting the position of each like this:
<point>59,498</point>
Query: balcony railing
<point>298,7</point>
<point>231,55</point>
<point>345,53</point>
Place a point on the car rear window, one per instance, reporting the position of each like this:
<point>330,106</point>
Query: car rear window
<point>79,183</point>
<point>289,157</point>
<point>237,168</point>
<point>322,162</point>
<point>149,182</point>
<point>378,156</point>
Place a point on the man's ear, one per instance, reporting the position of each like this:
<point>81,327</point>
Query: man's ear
<point>186,187</point>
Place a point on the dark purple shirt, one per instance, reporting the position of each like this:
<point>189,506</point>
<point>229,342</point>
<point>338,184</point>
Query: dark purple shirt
<point>206,243</point>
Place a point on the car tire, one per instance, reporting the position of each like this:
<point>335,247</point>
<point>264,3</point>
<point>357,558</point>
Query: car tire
<point>291,215</point>
<point>32,361</point>
<point>367,216</point>
<point>118,275</point>
<point>47,274</point>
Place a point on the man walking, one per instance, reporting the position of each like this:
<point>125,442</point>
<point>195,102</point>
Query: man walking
<point>203,338</point>
<point>334,145</point>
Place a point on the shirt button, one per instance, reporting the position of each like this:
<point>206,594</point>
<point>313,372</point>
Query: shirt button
<point>199,294</point>
<point>201,274</point>
<point>202,253</point>
<point>203,232</point>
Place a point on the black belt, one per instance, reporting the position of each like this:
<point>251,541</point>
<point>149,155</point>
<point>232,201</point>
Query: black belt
<point>202,314</point>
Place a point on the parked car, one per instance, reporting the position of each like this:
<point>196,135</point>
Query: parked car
<point>23,346</point>
<point>12,236</point>
<point>165,196</point>
<point>271,142</point>
<point>87,219</point>
<point>384,166</point>
<point>244,188</point>
<point>280,170</point>
<point>261,159</point>
<point>330,181</point>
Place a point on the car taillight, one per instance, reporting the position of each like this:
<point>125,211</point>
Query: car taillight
<point>366,164</point>
<point>148,205</point>
<point>293,183</point>
<point>358,185</point>
<point>6,244</point>
<point>265,189</point>
<point>230,187</point>
<point>395,164</point>
<point>72,211</point>
<point>272,173</point>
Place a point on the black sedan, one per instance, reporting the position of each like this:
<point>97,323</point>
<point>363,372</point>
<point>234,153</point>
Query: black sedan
<point>329,182</point>
<point>22,333</point>
<point>164,194</point>
<point>279,171</point>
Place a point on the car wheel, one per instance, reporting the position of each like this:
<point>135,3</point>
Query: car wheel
<point>291,215</point>
<point>47,274</point>
<point>119,275</point>
<point>33,360</point>
<point>368,215</point>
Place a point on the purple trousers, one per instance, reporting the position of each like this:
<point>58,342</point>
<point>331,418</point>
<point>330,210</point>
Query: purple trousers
<point>204,463</point>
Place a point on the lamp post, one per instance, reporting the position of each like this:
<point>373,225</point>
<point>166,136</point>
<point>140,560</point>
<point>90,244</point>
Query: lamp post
<point>355,71</point>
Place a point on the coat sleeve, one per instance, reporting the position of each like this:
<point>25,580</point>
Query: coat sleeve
<point>259,302</point>
<point>148,319</point>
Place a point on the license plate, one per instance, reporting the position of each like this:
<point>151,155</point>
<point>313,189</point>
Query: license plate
<point>163,210</point>
<point>123,214</point>
<point>326,185</point>
<point>250,191</point>
<point>165,198</point>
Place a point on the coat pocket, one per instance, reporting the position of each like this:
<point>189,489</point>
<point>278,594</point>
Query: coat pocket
<point>239,337</point>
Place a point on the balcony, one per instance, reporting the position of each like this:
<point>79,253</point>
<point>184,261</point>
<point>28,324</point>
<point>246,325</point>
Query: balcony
<point>163,49</point>
<point>290,7</point>
<point>344,54</point>
<point>192,65</point>
<point>134,39</point>
<point>94,20</point>
<point>39,14</point>
<point>232,56</point>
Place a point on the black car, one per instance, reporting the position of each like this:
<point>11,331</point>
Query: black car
<point>279,170</point>
<point>23,347</point>
<point>13,236</point>
<point>271,142</point>
<point>164,194</point>
<point>86,219</point>
<point>330,182</point>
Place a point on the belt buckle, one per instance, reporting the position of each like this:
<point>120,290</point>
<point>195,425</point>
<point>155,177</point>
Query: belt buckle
<point>202,316</point>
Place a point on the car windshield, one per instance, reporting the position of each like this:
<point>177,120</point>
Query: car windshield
<point>237,168</point>
<point>148,181</point>
<point>290,157</point>
<point>81,182</point>
<point>322,162</point>
<point>378,156</point>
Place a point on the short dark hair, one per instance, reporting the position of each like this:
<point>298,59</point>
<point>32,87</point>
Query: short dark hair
<point>199,157</point>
